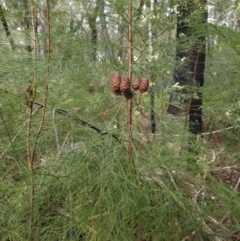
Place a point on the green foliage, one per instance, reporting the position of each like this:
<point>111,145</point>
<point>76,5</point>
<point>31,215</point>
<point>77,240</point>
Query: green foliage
<point>85,186</point>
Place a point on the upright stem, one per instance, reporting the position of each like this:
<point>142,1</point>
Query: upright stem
<point>152,104</point>
<point>152,93</point>
<point>46,81</point>
<point>129,99</point>
<point>31,151</point>
<point>31,100</point>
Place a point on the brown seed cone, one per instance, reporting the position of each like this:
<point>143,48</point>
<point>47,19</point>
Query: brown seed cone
<point>115,83</point>
<point>143,87</point>
<point>136,82</point>
<point>104,115</point>
<point>28,87</point>
<point>125,85</point>
<point>90,88</point>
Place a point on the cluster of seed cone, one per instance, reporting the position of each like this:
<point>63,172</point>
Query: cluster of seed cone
<point>123,85</point>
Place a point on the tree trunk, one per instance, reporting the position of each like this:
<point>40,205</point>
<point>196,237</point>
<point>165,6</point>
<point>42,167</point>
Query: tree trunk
<point>121,26</point>
<point>190,61</point>
<point>6,28</point>
<point>93,26</point>
<point>151,33</point>
<point>106,38</point>
<point>27,26</point>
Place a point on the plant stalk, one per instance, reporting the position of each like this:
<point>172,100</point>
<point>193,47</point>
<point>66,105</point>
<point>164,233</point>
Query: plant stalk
<point>130,97</point>
<point>30,114</point>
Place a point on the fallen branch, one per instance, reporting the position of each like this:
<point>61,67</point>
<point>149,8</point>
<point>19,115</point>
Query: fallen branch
<point>218,131</point>
<point>85,123</point>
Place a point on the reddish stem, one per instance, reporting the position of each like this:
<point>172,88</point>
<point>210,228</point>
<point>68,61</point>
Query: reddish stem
<point>129,99</point>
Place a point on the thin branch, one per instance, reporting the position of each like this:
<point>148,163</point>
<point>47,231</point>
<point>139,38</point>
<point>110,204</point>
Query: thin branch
<point>237,185</point>
<point>172,179</point>
<point>85,123</point>
<point>218,131</point>
<point>214,155</point>
<point>56,132</point>
<point>190,236</point>
<point>223,168</point>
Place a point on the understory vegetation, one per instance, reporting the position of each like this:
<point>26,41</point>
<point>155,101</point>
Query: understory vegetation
<point>85,187</point>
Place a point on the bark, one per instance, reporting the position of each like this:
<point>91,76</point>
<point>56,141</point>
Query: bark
<point>27,26</point>
<point>151,34</point>
<point>40,25</point>
<point>6,27</point>
<point>121,39</point>
<point>140,9</point>
<point>190,62</point>
<point>44,29</point>
<point>105,34</point>
<point>152,103</point>
<point>93,26</point>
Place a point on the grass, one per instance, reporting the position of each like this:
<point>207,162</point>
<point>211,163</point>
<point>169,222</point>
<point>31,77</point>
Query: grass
<point>90,193</point>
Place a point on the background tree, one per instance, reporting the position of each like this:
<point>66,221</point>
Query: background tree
<point>5,26</point>
<point>190,62</point>
<point>93,26</point>
<point>84,186</point>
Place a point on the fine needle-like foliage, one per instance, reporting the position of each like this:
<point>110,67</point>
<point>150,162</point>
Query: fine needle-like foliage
<point>83,160</point>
